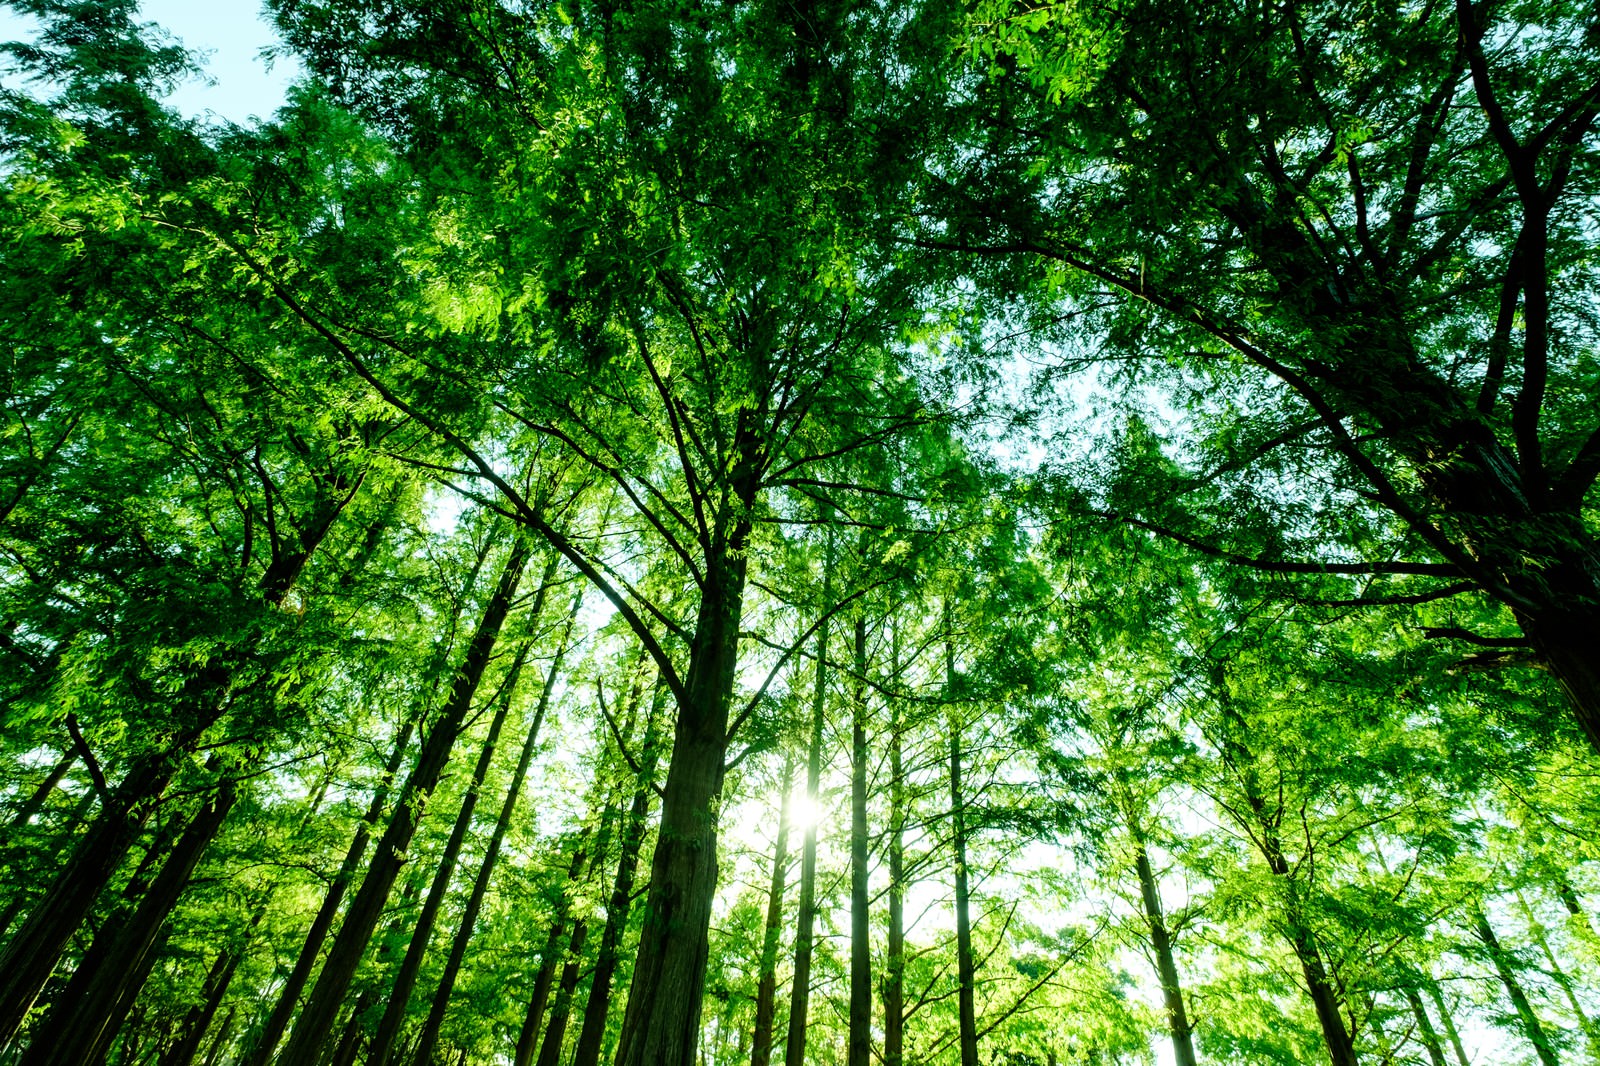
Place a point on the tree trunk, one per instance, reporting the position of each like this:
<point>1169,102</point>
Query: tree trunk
<point>1566,640</point>
<point>405,979</point>
<point>1325,998</point>
<point>966,975</point>
<point>859,1052</point>
<point>429,1036</point>
<point>348,1048</point>
<point>316,1021</point>
<point>19,901</point>
<point>289,996</point>
<point>1430,1038</point>
<point>1449,1024</point>
<point>35,801</point>
<point>767,985</point>
<point>549,959</point>
<point>555,1031</point>
<point>662,1024</point>
<point>192,1030</point>
<point>894,966</point>
<point>219,1043</point>
<point>1531,1026</point>
<point>80,1028</point>
<point>800,990</point>
<point>1557,974</point>
<point>31,955</point>
<point>1161,942</point>
<point>597,1008</point>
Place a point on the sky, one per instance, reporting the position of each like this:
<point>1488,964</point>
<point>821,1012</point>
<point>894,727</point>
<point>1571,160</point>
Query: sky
<point>231,35</point>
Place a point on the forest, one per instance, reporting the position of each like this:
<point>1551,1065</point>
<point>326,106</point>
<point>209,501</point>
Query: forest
<point>722,532</point>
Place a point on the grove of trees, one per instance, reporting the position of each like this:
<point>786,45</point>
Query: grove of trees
<point>705,532</point>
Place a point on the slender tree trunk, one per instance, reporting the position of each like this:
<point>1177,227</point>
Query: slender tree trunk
<point>35,801</point>
<point>549,960</point>
<point>1325,999</point>
<point>894,966</point>
<point>1569,899</point>
<point>1559,975</point>
<point>80,1028</point>
<point>966,975</point>
<point>316,1021</point>
<point>19,901</point>
<point>429,1037</point>
<point>860,1034</point>
<point>1430,1038</point>
<point>192,1030</point>
<point>289,996</point>
<point>800,989</point>
<point>345,1052</point>
<point>1531,1026</point>
<point>767,985</point>
<point>1449,1024</point>
<point>555,1031</point>
<point>219,1043</point>
<point>1161,942</point>
<point>405,979</point>
<point>597,1007</point>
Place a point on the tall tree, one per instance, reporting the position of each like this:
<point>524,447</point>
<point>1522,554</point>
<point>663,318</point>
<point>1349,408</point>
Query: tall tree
<point>1371,227</point>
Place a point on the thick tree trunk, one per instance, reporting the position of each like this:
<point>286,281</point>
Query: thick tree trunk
<point>662,1024</point>
<point>316,1021</point>
<point>31,954</point>
<point>894,966</point>
<point>1566,640</point>
<point>80,1028</point>
<point>805,919</point>
<point>1531,1026</point>
<point>289,996</point>
<point>549,960</point>
<point>405,979</point>
<point>429,1037</point>
<point>596,1008</point>
<point>1161,943</point>
<point>859,1052</point>
<point>767,984</point>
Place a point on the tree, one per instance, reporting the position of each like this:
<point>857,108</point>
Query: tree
<point>1370,223</point>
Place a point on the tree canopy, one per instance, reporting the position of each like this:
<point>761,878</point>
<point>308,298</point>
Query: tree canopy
<point>692,533</point>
